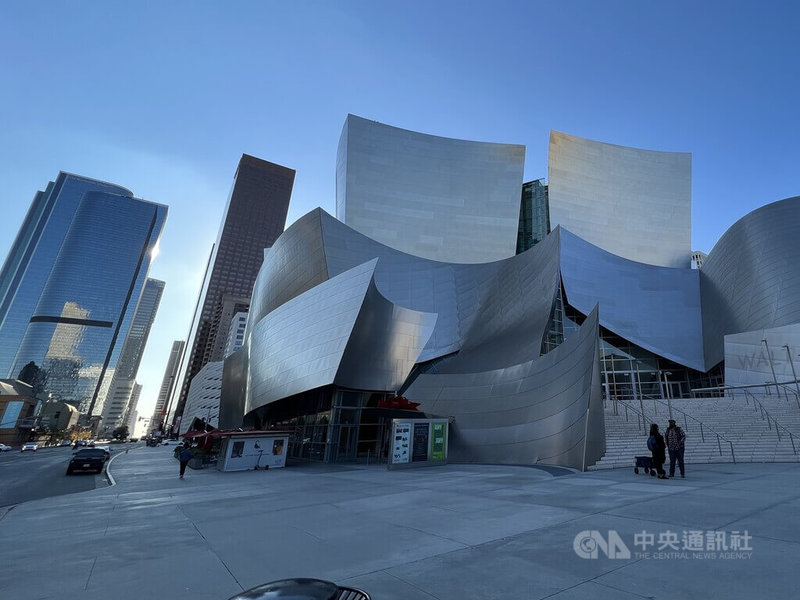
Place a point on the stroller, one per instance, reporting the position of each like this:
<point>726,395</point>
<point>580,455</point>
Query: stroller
<point>644,462</point>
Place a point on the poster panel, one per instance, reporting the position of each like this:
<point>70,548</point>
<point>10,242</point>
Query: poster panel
<point>401,438</point>
<point>438,442</point>
<point>420,442</point>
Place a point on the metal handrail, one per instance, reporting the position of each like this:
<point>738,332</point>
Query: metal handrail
<point>765,413</point>
<point>724,388</point>
<point>720,437</point>
<point>786,388</point>
<point>686,423</point>
<point>639,416</point>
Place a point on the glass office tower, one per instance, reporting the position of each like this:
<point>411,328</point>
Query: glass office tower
<point>115,405</point>
<point>33,253</point>
<point>534,215</point>
<point>168,384</point>
<point>73,283</point>
<point>254,218</point>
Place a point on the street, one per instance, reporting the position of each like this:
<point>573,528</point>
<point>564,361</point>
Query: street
<point>28,476</point>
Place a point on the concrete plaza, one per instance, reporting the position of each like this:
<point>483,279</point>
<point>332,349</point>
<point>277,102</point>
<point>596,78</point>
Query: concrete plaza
<point>452,532</point>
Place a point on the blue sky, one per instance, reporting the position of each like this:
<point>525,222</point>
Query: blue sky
<point>164,97</point>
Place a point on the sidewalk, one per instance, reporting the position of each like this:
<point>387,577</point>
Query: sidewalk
<point>452,532</point>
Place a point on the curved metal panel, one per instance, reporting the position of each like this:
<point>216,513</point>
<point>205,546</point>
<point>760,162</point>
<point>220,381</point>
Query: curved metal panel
<point>385,344</point>
<point>506,300</point>
<point>341,331</point>
<point>294,264</point>
<point>751,278</point>
<point>634,203</point>
<point>514,313</point>
<point>299,345</point>
<point>657,308</point>
<point>546,410</point>
<point>433,197</point>
<point>317,247</point>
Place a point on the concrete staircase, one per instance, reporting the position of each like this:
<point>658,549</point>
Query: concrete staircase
<point>736,428</point>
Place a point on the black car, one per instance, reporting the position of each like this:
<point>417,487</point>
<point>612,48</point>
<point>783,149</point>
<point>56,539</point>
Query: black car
<point>87,459</point>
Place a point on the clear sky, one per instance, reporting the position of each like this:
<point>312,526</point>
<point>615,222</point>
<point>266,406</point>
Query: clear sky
<point>163,97</point>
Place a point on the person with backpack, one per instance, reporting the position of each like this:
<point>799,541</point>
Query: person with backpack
<point>184,457</point>
<point>657,446</point>
<point>676,443</point>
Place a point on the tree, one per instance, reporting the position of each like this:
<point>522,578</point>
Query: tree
<point>34,376</point>
<point>120,433</point>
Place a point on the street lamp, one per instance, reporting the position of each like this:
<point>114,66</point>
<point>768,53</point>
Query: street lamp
<point>639,384</point>
<point>794,375</point>
<point>772,368</point>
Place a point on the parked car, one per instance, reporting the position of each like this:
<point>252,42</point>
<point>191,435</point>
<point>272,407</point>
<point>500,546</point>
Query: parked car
<point>105,449</point>
<point>87,459</point>
<point>29,446</point>
<point>4,448</point>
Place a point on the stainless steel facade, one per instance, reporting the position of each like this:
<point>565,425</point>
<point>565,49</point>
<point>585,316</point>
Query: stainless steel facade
<point>751,278</point>
<point>439,198</point>
<point>333,307</point>
<point>547,410</point>
<point>656,308</point>
<point>512,349</point>
<point>634,203</point>
<point>340,332</point>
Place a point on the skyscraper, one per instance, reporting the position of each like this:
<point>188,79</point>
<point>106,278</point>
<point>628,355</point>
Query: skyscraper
<point>168,384</point>
<point>132,414</point>
<point>33,253</point>
<point>71,283</point>
<point>254,218</point>
<point>115,405</point>
<point>534,219</point>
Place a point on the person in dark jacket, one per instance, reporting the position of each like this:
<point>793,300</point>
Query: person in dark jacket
<point>184,457</point>
<point>656,445</point>
<point>676,443</point>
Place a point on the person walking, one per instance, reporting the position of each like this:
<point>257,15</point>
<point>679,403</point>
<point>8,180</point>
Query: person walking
<point>184,457</point>
<point>676,443</point>
<point>657,446</point>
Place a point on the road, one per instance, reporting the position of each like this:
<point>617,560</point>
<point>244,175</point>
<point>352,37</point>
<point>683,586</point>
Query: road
<point>28,476</point>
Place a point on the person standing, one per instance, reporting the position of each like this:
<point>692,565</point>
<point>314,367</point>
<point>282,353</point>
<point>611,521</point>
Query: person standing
<point>657,446</point>
<point>184,457</point>
<point>676,443</point>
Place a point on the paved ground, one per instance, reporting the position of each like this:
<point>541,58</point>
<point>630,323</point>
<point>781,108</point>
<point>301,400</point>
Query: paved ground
<point>450,532</point>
